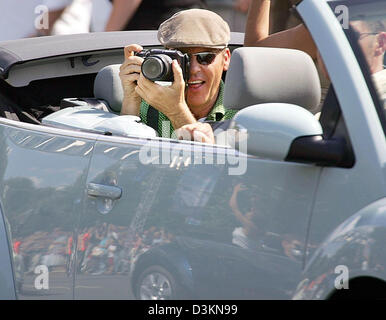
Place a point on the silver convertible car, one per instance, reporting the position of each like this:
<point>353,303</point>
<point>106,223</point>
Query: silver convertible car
<point>94,205</point>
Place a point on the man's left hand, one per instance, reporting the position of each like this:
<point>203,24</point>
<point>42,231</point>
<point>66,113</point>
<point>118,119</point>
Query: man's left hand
<point>200,132</point>
<point>170,100</point>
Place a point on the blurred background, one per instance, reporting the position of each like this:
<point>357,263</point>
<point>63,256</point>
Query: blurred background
<point>53,17</point>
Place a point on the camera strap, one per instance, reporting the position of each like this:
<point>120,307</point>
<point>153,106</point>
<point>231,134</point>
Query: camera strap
<point>152,118</point>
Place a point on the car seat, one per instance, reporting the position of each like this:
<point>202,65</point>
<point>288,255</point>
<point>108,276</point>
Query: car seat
<point>100,114</point>
<point>108,88</point>
<point>108,92</point>
<point>271,75</point>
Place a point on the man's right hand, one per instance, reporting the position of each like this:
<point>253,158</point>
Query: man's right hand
<point>129,75</point>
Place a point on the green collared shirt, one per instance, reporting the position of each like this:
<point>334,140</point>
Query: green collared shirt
<point>159,122</point>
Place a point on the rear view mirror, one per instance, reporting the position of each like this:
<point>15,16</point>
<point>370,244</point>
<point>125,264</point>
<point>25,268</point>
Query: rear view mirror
<point>272,127</point>
<point>287,132</point>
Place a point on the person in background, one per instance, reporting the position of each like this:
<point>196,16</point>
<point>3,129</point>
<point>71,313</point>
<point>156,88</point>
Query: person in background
<point>242,5</point>
<point>83,16</point>
<point>76,18</point>
<point>101,10</point>
<point>280,16</point>
<point>297,37</point>
<point>371,36</point>
<point>146,14</point>
<point>30,19</point>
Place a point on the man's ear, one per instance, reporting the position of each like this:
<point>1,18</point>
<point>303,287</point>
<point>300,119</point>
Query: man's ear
<point>381,43</point>
<point>227,59</point>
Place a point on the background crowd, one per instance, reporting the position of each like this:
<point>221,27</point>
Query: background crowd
<point>54,17</point>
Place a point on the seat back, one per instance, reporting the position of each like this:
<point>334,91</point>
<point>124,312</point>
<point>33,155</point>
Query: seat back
<point>271,75</point>
<point>108,87</point>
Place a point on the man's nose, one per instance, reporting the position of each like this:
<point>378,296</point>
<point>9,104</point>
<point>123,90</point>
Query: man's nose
<point>194,66</point>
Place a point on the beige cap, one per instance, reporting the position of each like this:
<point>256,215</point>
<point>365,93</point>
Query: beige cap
<point>194,28</point>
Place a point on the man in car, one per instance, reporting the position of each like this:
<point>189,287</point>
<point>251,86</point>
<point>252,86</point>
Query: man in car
<point>372,40</point>
<point>204,36</point>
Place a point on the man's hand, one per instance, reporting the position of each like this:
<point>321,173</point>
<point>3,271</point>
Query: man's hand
<point>198,131</point>
<point>129,74</point>
<point>170,100</point>
<point>164,98</point>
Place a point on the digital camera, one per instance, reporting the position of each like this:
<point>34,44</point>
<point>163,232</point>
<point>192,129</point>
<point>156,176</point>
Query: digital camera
<point>157,64</point>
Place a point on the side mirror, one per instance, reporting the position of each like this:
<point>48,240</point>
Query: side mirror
<point>287,132</point>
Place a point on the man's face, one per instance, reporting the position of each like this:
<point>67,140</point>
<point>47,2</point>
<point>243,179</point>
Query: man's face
<point>366,40</point>
<point>372,45</point>
<point>204,80</point>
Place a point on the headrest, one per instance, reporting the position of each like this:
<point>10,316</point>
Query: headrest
<point>269,75</point>
<point>108,87</point>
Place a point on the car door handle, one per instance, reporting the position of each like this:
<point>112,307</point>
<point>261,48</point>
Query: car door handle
<point>104,191</point>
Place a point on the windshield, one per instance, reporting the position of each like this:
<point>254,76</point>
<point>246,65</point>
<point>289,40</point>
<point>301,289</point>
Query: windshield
<point>365,25</point>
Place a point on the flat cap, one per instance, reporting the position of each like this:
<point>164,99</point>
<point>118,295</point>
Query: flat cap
<point>194,28</point>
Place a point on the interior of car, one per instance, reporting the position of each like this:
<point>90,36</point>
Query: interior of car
<point>289,76</point>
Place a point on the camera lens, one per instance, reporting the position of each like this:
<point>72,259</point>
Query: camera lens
<point>157,68</point>
<point>152,68</point>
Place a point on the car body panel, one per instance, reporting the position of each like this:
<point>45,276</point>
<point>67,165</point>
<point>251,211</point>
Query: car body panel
<point>168,199</point>
<point>365,182</point>
<point>42,206</point>
<point>357,245</point>
<point>7,281</point>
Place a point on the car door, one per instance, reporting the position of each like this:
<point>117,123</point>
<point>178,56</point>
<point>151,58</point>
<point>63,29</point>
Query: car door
<point>42,176</point>
<point>170,202</point>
